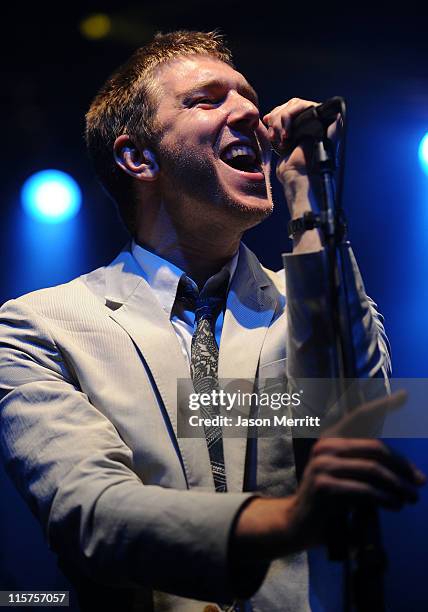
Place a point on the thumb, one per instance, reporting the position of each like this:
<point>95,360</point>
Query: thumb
<point>364,421</point>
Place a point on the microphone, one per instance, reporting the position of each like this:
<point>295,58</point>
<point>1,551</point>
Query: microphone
<point>313,122</point>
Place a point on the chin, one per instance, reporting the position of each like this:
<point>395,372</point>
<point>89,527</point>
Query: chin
<point>251,198</point>
<point>249,210</point>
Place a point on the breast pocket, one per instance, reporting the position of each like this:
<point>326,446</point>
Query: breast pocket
<point>272,381</point>
<point>272,376</point>
<point>273,369</point>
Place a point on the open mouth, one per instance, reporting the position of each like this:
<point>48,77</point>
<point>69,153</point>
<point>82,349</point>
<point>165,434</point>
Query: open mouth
<point>242,157</point>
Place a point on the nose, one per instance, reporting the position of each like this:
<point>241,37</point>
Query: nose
<point>242,112</point>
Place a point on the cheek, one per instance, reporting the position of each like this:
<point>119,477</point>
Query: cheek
<point>187,163</point>
<point>192,129</point>
<point>201,129</point>
<point>206,126</point>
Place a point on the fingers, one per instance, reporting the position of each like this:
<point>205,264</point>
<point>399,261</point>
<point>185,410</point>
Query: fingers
<point>382,480</point>
<point>361,421</point>
<point>385,404</point>
<point>381,453</point>
<point>372,450</point>
<point>279,119</point>
<point>345,472</point>
<point>355,492</point>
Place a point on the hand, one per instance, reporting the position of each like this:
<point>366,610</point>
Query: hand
<point>278,122</point>
<point>292,169</point>
<point>341,472</point>
<point>345,472</point>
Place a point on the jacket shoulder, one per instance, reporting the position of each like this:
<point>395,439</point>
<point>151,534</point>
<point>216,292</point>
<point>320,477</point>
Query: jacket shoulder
<point>62,301</point>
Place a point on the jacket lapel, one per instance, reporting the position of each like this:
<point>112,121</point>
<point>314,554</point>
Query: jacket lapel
<point>251,304</point>
<point>135,308</point>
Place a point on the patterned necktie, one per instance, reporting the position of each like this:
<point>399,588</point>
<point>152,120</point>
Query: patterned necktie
<point>207,305</point>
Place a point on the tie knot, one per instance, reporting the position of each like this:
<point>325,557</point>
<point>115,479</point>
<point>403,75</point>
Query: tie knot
<point>206,304</point>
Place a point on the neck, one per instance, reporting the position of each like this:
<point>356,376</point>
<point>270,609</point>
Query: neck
<point>199,252</point>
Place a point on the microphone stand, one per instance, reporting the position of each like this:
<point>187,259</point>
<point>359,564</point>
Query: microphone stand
<point>355,537</point>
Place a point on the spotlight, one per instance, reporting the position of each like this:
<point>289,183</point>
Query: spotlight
<point>95,26</point>
<point>51,196</point>
<point>423,153</point>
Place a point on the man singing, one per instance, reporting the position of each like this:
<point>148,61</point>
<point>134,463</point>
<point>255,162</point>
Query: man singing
<point>141,518</point>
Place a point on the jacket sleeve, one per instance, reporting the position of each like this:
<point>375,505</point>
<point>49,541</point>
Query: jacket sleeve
<point>310,342</point>
<point>77,475</point>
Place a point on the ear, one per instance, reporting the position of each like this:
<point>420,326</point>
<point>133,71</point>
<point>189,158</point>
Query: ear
<point>135,161</point>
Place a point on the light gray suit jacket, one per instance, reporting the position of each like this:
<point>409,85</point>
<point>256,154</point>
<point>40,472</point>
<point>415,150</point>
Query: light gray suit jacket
<point>88,375</point>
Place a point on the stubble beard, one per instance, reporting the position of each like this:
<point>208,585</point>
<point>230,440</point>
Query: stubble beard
<point>191,179</point>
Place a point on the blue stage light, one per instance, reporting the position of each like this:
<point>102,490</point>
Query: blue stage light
<point>51,196</point>
<point>423,153</point>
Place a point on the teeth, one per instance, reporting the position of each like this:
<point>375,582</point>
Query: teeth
<point>237,150</point>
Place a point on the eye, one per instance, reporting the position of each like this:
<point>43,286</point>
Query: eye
<point>207,101</point>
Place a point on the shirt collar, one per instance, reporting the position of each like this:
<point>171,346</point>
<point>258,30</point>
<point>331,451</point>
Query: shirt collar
<point>163,276</point>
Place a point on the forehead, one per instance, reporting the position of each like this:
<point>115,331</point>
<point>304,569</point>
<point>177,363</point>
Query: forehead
<point>184,74</point>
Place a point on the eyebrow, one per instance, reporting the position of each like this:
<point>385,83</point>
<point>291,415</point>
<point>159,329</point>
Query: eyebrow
<point>244,88</point>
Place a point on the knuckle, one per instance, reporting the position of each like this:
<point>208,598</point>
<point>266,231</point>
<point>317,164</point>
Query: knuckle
<point>323,445</point>
<point>376,447</point>
<point>285,120</point>
<point>320,464</point>
<point>321,482</point>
